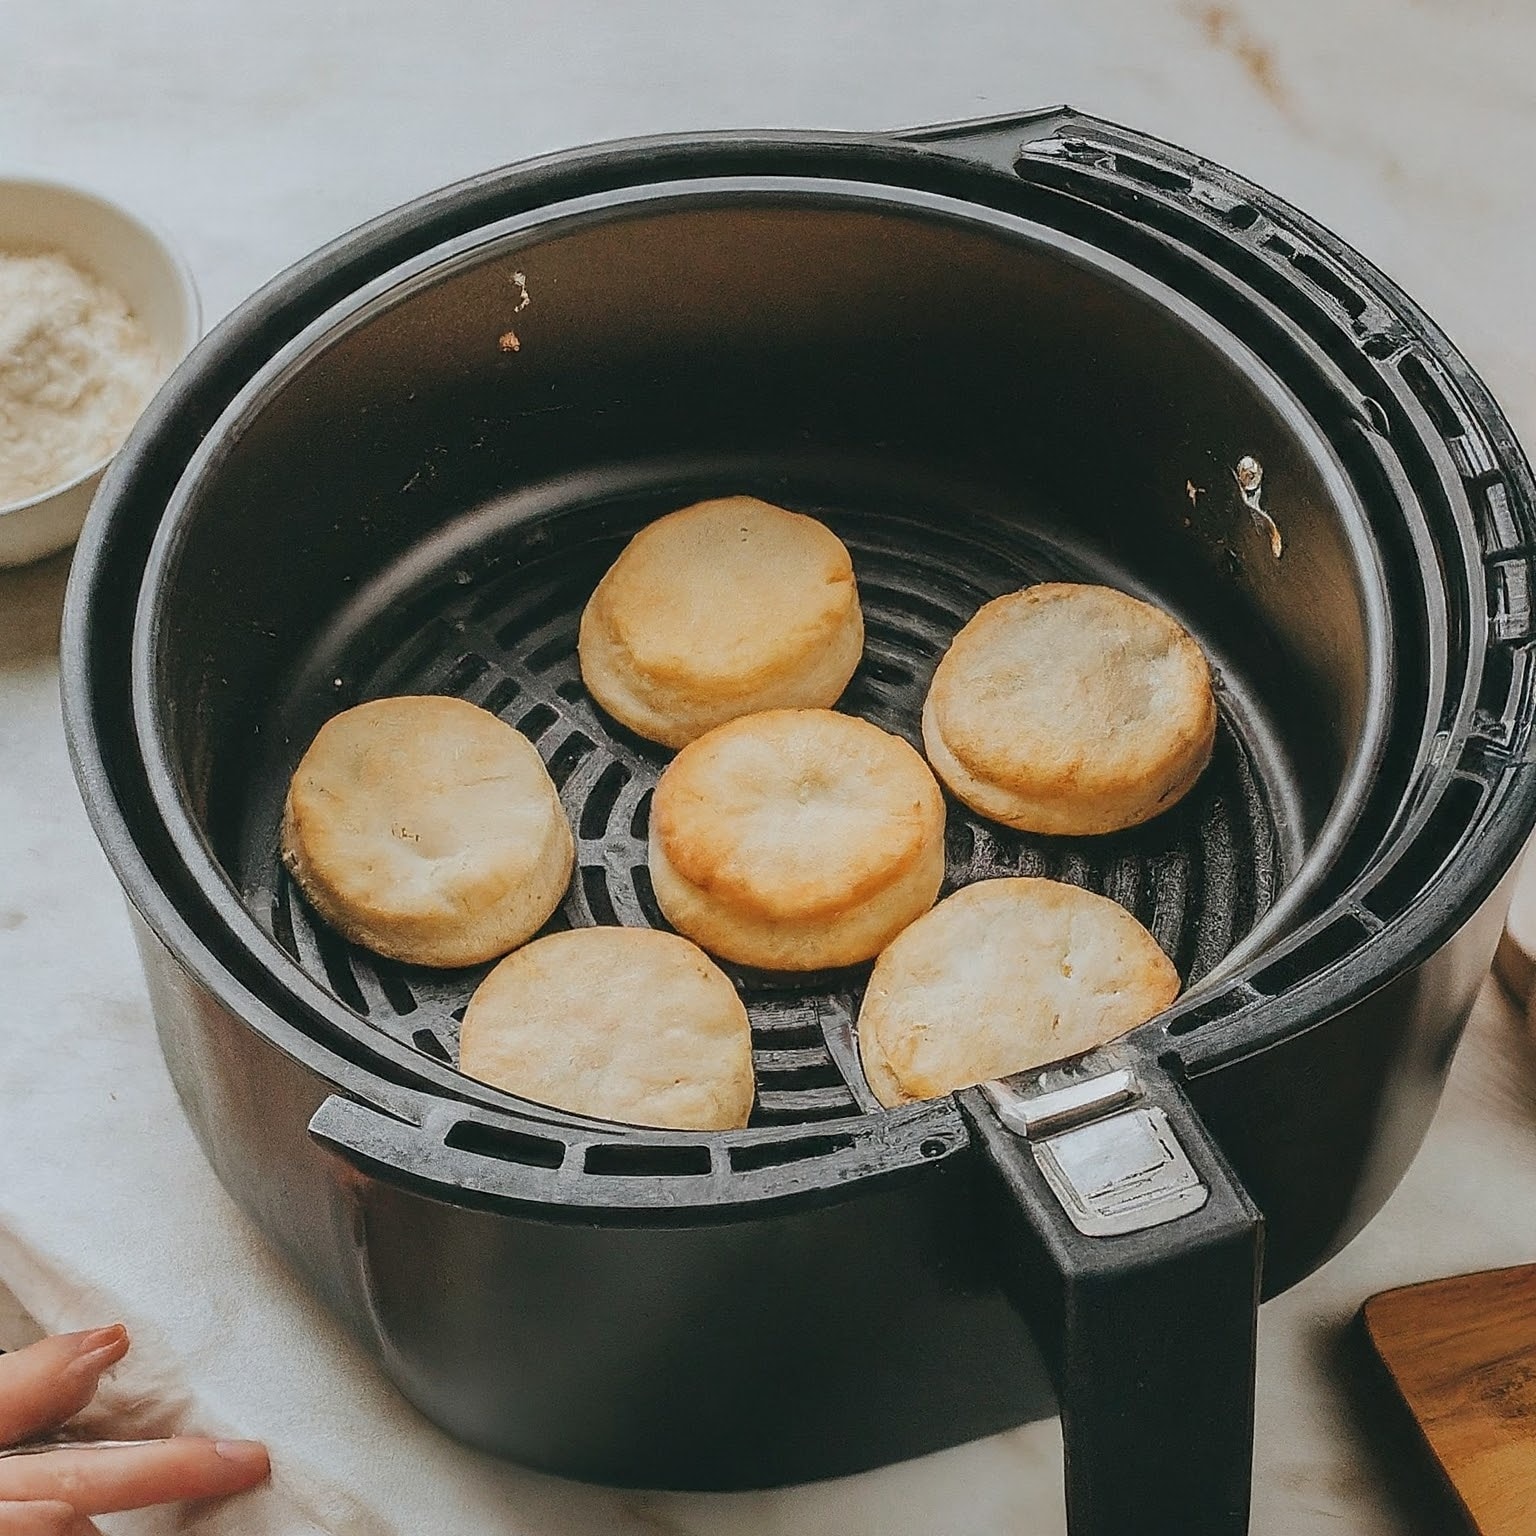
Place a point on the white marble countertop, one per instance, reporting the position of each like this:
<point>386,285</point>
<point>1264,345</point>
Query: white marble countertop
<point>252,130</point>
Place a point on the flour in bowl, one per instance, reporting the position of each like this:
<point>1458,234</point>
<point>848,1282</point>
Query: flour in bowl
<point>76,368</point>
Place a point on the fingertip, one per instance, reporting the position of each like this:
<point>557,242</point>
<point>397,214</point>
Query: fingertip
<point>100,1349</point>
<point>247,1458</point>
<point>89,1340</point>
<point>241,1450</point>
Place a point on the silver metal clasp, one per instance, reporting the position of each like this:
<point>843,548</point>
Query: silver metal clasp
<point>1115,1164</point>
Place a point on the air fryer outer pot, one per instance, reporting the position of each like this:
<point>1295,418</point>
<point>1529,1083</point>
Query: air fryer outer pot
<point>804,1342</point>
<point>890,1291</point>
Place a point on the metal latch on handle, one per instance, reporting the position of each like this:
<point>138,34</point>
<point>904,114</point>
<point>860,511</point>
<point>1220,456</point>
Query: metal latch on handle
<point>1113,1161</point>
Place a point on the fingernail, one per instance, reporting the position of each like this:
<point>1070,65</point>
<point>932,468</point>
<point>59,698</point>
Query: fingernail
<point>246,1453</point>
<point>99,1350</point>
<point>97,1339</point>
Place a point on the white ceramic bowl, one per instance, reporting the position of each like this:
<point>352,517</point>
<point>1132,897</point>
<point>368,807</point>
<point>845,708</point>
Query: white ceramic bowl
<point>121,251</point>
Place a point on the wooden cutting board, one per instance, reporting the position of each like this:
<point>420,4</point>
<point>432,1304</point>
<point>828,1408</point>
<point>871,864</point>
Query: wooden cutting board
<point>1462,1352</point>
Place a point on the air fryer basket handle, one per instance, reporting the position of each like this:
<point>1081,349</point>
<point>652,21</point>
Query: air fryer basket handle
<point>1134,1254</point>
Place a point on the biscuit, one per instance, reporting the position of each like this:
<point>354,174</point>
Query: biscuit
<point>1003,976</point>
<point>1070,709</point>
<point>721,610</point>
<point>796,839</point>
<point>428,830</point>
<point>620,1023</point>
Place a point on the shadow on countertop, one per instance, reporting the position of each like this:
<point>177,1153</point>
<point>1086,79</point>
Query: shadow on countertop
<point>1396,1458</point>
<point>31,603</point>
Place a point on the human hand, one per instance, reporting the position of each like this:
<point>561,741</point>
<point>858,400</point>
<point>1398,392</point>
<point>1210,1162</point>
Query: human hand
<point>54,1492</point>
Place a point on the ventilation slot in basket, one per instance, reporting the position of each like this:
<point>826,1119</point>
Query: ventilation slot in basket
<point>1424,858</point>
<point>1331,283</point>
<point>505,1145</point>
<point>1152,175</point>
<point>568,756</point>
<point>430,1042</point>
<point>1498,698</point>
<point>1218,1007</point>
<point>537,721</point>
<point>774,1154</point>
<point>600,801</point>
<point>1325,948</point>
<point>647,1161</point>
<point>1431,396</point>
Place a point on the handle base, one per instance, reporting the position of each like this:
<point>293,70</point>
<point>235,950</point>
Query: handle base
<point>1137,1263</point>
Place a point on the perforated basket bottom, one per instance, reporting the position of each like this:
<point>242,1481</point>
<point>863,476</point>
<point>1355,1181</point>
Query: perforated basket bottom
<point>496,623</point>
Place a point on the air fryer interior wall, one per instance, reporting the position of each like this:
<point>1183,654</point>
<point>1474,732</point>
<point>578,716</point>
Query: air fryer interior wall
<point>980,401</point>
<point>916,347</point>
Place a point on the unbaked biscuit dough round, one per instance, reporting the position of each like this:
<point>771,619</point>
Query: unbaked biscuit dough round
<point>620,1023</point>
<point>721,610</point>
<point>1003,976</point>
<point>796,839</point>
<point>427,830</point>
<point>1070,709</point>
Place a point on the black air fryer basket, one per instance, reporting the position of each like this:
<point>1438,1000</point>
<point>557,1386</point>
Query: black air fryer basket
<point>986,355</point>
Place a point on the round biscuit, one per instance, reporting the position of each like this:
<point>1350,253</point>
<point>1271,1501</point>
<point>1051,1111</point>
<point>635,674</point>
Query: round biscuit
<point>622,1024</point>
<point>1003,976</point>
<point>796,839</point>
<point>427,830</point>
<point>720,610</point>
<point>1070,709</point>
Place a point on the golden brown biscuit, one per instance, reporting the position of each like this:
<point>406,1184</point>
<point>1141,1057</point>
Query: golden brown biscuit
<point>1070,709</point>
<point>1003,976</point>
<point>621,1023</point>
<point>723,609</point>
<point>427,830</point>
<point>796,839</point>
